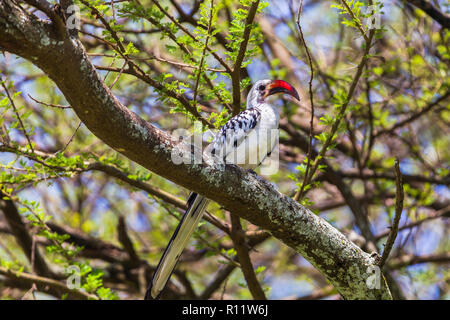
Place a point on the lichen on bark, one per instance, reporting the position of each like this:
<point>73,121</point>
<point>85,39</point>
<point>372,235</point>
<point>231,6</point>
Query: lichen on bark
<point>64,60</point>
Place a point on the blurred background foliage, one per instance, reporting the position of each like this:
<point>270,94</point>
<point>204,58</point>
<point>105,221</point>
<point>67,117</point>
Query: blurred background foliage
<point>84,204</point>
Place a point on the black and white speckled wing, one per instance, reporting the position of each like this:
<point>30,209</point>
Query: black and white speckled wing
<point>234,132</point>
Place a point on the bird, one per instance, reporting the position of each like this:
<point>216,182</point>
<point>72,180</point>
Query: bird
<point>246,140</point>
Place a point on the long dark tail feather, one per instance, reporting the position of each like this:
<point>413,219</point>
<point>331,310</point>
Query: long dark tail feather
<point>196,206</point>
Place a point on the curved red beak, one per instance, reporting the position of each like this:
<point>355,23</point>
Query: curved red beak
<point>280,86</point>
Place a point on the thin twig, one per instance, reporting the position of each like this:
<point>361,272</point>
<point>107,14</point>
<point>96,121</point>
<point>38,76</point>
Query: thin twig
<point>118,174</point>
<point>59,106</point>
<point>186,31</point>
<point>442,213</point>
<point>31,291</point>
<point>356,20</point>
<point>236,74</point>
<point>399,196</point>
<point>137,71</point>
<point>200,71</point>
<point>42,281</point>
<point>221,277</point>
<point>343,107</point>
<point>71,138</point>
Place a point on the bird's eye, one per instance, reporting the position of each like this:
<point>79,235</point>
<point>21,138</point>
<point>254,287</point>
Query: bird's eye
<point>262,87</point>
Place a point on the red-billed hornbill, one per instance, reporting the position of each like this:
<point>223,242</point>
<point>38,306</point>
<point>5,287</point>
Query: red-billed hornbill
<point>245,140</point>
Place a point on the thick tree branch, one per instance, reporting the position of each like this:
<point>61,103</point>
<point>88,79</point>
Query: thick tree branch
<point>65,61</point>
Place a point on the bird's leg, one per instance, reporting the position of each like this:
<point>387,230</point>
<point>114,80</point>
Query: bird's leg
<point>262,180</point>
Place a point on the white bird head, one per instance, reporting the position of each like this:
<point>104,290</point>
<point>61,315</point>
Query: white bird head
<point>265,88</point>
